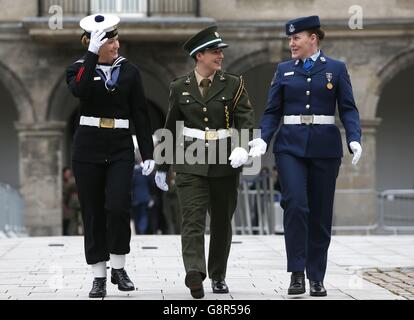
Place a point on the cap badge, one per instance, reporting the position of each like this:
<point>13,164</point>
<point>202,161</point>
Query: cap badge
<point>292,28</point>
<point>216,34</point>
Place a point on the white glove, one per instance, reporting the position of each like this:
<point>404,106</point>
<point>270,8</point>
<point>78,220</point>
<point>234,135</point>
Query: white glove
<point>357,150</point>
<point>258,147</point>
<point>96,40</point>
<point>161,180</point>
<point>238,157</point>
<point>147,167</point>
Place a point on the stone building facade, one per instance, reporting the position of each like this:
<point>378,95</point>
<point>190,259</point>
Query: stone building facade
<point>39,112</point>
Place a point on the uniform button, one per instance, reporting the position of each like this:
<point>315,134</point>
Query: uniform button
<point>188,101</point>
<point>181,144</point>
<point>207,128</point>
<point>205,109</point>
<point>307,93</point>
<point>309,79</point>
<point>207,144</point>
<point>205,119</point>
<point>224,98</point>
<point>307,106</point>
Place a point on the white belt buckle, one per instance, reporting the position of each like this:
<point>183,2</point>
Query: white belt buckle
<point>211,135</point>
<point>306,119</point>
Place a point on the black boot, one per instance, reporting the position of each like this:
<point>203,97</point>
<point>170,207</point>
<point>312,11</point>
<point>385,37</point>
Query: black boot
<point>120,277</point>
<point>297,283</point>
<point>317,289</point>
<point>98,288</point>
<point>219,286</point>
<point>194,281</point>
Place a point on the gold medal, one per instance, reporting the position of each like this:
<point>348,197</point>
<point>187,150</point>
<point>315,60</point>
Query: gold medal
<point>329,85</point>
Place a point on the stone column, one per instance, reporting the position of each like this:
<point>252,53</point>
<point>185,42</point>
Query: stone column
<point>40,153</point>
<point>356,195</point>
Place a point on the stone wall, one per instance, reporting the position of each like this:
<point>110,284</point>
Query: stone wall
<point>286,10</point>
<point>15,10</point>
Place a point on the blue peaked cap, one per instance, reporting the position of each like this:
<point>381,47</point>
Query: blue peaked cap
<point>302,24</point>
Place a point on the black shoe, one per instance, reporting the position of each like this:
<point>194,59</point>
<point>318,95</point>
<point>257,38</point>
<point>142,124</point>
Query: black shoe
<point>297,283</point>
<point>194,281</point>
<point>98,288</point>
<point>219,286</point>
<point>317,289</point>
<point>120,277</point>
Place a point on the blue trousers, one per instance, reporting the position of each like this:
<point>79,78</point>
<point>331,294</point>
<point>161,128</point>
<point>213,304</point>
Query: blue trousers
<point>140,216</point>
<point>308,189</point>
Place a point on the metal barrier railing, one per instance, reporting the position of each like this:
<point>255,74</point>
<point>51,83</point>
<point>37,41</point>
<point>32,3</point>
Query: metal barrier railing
<point>258,210</point>
<point>396,210</point>
<point>11,213</point>
<point>366,228</point>
<point>122,7</point>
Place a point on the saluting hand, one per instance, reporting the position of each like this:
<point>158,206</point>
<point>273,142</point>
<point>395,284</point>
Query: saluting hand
<point>97,40</point>
<point>357,151</point>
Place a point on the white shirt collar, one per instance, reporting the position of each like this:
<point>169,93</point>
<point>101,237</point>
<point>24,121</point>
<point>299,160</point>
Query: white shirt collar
<point>314,56</point>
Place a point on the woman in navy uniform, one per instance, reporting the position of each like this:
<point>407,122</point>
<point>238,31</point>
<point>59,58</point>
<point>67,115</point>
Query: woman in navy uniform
<point>302,99</point>
<point>111,94</point>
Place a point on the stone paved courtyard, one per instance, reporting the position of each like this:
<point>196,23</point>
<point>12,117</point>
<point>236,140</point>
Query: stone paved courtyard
<point>359,268</point>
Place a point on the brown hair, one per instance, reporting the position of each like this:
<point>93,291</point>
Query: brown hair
<point>320,34</point>
<point>85,41</point>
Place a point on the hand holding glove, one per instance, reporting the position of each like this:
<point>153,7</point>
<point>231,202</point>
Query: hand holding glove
<point>161,180</point>
<point>147,167</point>
<point>357,150</point>
<point>238,157</point>
<point>97,40</point>
<point>258,147</point>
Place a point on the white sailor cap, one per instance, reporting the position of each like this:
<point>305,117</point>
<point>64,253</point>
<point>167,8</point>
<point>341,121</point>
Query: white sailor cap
<point>105,22</point>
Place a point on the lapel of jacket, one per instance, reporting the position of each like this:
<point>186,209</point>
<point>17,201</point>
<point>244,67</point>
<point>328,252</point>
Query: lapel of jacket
<point>320,64</point>
<point>298,67</point>
<point>218,84</point>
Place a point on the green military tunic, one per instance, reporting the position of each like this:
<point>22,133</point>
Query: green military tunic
<point>186,104</point>
<point>206,187</point>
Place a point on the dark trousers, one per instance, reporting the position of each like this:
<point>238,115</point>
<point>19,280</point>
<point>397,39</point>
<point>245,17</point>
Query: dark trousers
<point>105,197</point>
<point>308,189</point>
<point>218,196</point>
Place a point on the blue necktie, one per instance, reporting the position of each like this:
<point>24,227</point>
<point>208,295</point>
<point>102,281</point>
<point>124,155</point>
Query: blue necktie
<point>308,64</point>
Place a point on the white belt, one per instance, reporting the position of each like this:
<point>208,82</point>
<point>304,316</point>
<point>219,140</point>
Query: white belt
<point>309,119</point>
<point>206,135</point>
<point>104,122</point>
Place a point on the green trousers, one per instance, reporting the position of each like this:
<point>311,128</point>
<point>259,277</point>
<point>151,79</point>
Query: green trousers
<point>199,195</point>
